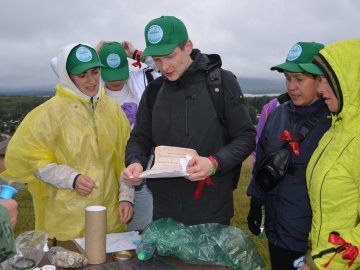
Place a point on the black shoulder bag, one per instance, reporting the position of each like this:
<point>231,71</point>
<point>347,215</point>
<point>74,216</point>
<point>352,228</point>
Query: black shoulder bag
<point>272,169</point>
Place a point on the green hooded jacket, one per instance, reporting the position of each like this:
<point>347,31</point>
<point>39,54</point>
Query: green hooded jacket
<point>333,173</point>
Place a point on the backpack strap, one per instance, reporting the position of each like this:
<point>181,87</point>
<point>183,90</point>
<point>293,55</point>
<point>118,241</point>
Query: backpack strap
<point>309,124</point>
<point>148,75</point>
<point>216,91</point>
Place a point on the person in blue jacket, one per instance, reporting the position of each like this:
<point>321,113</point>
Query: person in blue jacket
<point>287,208</point>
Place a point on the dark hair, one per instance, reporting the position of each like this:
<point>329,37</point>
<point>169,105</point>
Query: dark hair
<point>182,45</point>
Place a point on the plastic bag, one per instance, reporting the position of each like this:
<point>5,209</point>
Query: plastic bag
<point>7,243</point>
<point>61,257</point>
<point>29,249</point>
<point>210,244</point>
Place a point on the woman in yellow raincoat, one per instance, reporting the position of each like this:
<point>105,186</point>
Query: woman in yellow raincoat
<point>70,150</point>
<point>333,173</point>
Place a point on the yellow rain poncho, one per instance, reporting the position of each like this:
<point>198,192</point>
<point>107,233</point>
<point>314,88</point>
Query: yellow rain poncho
<point>88,137</point>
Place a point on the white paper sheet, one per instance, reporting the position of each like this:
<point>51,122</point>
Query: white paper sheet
<point>117,241</point>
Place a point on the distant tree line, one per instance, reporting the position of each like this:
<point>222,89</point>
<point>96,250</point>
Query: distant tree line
<point>14,108</point>
<point>255,105</point>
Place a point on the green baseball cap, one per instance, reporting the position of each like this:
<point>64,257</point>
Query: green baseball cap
<point>113,57</point>
<point>299,58</point>
<point>81,58</point>
<point>163,35</point>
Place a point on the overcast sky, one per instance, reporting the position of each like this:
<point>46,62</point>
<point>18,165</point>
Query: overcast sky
<point>250,35</point>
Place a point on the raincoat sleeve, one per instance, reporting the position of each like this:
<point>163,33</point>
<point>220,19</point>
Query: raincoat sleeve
<point>32,147</point>
<point>126,193</point>
<point>348,256</point>
<point>60,176</point>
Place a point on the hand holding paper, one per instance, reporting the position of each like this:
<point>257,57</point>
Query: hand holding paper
<point>199,168</point>
<point>131,174</point>
<point>170,162</point>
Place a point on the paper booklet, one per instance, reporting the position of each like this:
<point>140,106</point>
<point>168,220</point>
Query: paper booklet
<point>170,161</point>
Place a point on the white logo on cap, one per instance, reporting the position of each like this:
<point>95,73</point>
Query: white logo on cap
<point>83,54</point>
<point>294,52</point>
<point>155,34</point>
<point>113,60</point>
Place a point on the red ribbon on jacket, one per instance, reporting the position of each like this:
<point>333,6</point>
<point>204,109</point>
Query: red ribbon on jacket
<point>294,145</point>
<point>350,251</point>
<point>200,186</point>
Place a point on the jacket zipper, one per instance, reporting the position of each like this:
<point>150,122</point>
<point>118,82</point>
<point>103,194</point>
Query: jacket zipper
<point>187,114</point>
<point>93,105</point>
<point>311,178</point>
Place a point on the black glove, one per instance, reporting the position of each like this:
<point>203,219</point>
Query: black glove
<point>254,216</point>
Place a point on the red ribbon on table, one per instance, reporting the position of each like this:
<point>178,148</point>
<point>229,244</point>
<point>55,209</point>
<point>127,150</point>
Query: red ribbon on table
<point>200,186</point>
<point>350,251</point>
<point>294,145</point>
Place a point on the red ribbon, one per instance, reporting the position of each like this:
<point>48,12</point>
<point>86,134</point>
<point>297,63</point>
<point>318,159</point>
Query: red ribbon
<point>137,63</point>
<point>350,251</point>
<point>200,186</point>
<point>294,145</point>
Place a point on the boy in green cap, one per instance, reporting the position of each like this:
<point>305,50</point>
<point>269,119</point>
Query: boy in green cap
<point>183,114</point>
<point>287,207</point>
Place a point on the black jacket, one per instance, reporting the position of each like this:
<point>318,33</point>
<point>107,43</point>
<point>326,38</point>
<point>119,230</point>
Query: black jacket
<point>184,115</point>
<point>287,206</point>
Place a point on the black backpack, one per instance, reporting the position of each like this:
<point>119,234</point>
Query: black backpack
<point>216,91</point>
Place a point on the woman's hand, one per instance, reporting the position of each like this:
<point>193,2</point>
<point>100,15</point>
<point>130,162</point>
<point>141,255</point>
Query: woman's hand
<point>126,211</point>
<point>84,185</point>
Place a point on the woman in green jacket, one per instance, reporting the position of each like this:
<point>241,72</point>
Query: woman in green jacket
<point>333,173</point>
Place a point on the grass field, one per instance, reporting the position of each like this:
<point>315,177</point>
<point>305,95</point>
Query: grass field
<point>26,214</point>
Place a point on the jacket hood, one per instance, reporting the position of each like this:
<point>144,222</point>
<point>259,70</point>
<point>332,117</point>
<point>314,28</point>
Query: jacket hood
<point>58,65</point>
<point>205,61</point>
<point>340,62</point>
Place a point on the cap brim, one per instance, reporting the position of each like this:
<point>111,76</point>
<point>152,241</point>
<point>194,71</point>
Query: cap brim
<point>312,68</point>
<point>291,67</point>
<point>159,50</point>
<point>115,74</point>
<point>84,67</point>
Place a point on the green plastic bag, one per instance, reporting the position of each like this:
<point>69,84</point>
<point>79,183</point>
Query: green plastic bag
<point>7,242</point>
<point>209,244</point>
